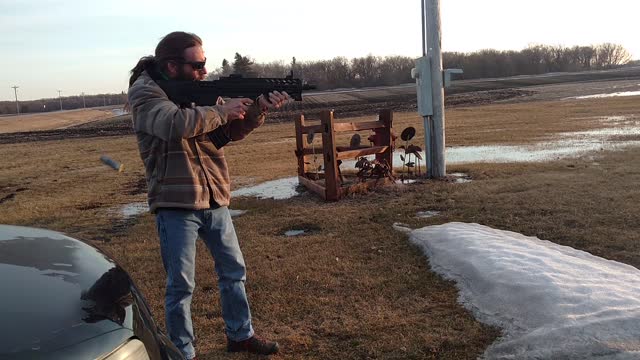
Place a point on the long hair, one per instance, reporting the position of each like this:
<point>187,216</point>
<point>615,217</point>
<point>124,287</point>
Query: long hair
<point>171,47</point>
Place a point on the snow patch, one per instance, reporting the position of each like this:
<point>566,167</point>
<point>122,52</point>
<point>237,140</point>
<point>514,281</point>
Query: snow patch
<point>552,301</point>
<point>427,214</point>
<point>276,189</point>
<point>403,228</point>
<point>600,96</point>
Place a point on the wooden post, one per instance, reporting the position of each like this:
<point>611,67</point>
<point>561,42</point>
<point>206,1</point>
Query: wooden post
<point>331,176</point>
<point>386,116</point>
<point>300,139</point>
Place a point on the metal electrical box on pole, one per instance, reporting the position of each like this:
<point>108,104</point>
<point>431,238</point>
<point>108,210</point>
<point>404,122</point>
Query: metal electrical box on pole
<point>430,83</point>
<point>422,74</point>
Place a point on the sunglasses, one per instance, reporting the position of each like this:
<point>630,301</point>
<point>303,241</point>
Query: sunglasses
<point>196,65</point>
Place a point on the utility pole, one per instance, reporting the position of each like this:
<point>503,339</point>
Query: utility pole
<point>429,80</point>
<point>60,97</point>
<point>15,91</point>
<point>84,105</point>
<point>435,123</point>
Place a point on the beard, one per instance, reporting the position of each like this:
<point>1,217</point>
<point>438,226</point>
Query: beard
<point>185,76</point>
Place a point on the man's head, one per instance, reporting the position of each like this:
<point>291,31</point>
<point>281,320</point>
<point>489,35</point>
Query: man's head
<point>181,57</point>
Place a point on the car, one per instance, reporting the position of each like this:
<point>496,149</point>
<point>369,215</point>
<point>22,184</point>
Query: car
<point>63,298</point>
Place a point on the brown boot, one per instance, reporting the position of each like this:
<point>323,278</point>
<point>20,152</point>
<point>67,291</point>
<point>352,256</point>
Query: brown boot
<point>254,345</point>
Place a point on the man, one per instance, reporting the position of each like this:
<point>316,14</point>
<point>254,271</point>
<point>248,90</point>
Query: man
<point>189,187</point>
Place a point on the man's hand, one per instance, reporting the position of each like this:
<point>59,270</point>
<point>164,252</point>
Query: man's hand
<point>235,108</point>
<point>276,100</point>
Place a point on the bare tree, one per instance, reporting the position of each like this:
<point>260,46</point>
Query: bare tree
<point>365,70</point>
<point>610,55</point>
<point>584,56</point>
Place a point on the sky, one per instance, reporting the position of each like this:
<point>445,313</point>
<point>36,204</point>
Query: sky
<point>90,46</point>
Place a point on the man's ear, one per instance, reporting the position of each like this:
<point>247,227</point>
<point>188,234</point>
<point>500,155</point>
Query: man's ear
<point>172,69</point>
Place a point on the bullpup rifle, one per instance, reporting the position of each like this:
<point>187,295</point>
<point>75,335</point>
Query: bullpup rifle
<point>206,93</point>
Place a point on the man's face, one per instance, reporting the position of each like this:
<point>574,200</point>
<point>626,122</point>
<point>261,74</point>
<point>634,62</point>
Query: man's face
<point>189,69</point>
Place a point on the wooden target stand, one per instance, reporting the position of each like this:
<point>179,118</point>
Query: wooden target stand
<point>331,184</point>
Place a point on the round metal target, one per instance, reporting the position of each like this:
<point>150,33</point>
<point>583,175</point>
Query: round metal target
<point>408,133</point>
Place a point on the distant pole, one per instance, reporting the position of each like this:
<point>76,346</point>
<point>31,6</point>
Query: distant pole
<point>60,97</point>
<point>434,124</point>
<point>15,91</point>
<point>84,105</point>
<point>104,100</point>
<point>424,29</point>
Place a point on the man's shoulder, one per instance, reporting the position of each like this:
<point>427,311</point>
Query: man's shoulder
<point>145,86</point>
<point>144,80</point>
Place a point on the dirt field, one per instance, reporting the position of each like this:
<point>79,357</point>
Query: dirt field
<point>53,120</point>
<point>352,287</point>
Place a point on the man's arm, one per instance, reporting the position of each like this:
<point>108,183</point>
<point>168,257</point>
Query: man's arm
<point>256,114</point>
<point>239,129</point>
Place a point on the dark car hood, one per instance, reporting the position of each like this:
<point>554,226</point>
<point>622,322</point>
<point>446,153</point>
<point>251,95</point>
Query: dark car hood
<point>57,292</point>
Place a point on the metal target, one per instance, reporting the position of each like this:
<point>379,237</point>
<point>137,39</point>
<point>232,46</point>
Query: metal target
<point>408,133</point>
<point>355,141</point>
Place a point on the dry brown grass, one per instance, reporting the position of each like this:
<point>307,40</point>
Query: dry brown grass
<point>352,288</point>
<point>51,120</point>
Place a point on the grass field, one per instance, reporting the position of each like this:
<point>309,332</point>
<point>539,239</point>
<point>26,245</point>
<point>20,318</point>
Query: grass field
<point>353,287</point>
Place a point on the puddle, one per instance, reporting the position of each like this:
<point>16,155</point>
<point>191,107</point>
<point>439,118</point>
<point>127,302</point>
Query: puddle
<point>564,145</point>
<point>275,189</point>
<point>427,214</point>
<point>294,232</point>
<point>567,145</point>
<point>599,96</point>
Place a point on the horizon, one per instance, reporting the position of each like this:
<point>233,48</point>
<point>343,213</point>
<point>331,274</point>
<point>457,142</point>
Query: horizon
<point>81,50</point>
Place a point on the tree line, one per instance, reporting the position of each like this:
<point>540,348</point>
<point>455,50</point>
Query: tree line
<point>67,103</point>
<point>537,59</point>
<point>370,70</point>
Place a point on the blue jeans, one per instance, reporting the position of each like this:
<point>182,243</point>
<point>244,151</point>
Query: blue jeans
<point>178,231</point>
